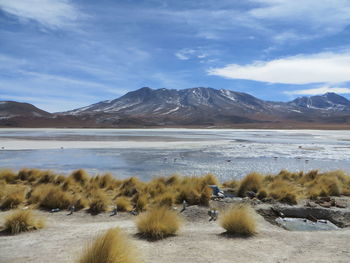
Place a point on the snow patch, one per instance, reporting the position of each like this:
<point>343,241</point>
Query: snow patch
<point>228,94</point>
<point>170,111</point>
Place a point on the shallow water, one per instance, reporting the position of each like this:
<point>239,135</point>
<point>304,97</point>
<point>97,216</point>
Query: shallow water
<point>153,152</point>
<point>302,224</point>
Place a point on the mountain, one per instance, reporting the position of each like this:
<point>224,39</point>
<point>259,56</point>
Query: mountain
<point>10,109</point>
<point>197,107</point>
<point>194,106</point>
<point>329,101</point>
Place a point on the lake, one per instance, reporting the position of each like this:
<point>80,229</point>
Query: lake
<point>159,152</point>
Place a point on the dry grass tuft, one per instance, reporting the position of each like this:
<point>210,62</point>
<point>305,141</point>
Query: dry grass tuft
<point>80,176</point>
<point>130,186</point>
<point>166,199</point>
<point>59,179</point>
<point>12,200</point>
<point>80,202</point>
<point>106,180</point>
<point>188,193</point>
<point>8,176</point>
<point>29,175</point>
<point>44,177</point>
<point>158,223</point>
<point>110,247</point>
<point>239,220</point>
<point>123,204</point>
<point>252,182</point>
<point>284,191</point>
<point>262,194</point>
<point>140,202</point>
<point>205,196</point>
<point>172,180</point>
<point>209,179</point>
<point>194,190</point>
<point>233,184</point>
<point>55,197</point>
<point>99,202</point>
<point>156,187</point>
<point>22,221</point>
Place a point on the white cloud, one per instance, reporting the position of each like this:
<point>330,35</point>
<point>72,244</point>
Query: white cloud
<point>188,53</point>
<point>301,69</point>
<point>328,16</point>
<point>49,13</point>
<point>185,54</point>
<point>319,91</point>
<point>281,20</point>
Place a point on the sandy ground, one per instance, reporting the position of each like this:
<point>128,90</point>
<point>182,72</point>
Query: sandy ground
<point>198,241</point>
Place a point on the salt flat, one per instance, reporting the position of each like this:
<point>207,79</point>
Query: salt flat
<point>152,152</point>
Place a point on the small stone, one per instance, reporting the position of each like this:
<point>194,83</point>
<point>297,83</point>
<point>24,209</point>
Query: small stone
<point>326,204</point>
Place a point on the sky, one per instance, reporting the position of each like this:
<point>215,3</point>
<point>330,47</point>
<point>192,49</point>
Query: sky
<point>64,54</point>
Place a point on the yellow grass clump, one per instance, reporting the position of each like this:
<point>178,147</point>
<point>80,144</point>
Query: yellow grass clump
<point>111,247</point>
<point>99,202</point>
<point>156,186</point>
<point>194,190</point>
<point>59,179</point>
<point>262,194</point>
<point>8,176</point>
<point>172,180</point>
<point>252,182</point>
<point>140,201</point>
<point>22,221</point>
<point>233,184</point>
<point>205,196</point>
<point>29,175</point>
<point>166,199</point>
<point>284,191</point>
<point>80,176</point>
<point>3,189</point>
<point>80,202</point>
<point>105,180</point>
<point>158,223</point>
<point>123,204</point>
<point>49,190</point>
<point>130,186</point>
<point>239,220</point>
<point>44,177</point>
<point>12,200</point>
<point>209,179</point>
<point>188,193</point>
<point>55,197</point>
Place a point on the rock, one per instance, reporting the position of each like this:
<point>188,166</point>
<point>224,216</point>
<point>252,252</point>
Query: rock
<point>269,200</point>
<point>338,216</point>
<point>341,204</point>
<point>250,194</point>
<point>324,199</point>
<point>326,204</point>
<point>277,212</point>
<point>311,204</point>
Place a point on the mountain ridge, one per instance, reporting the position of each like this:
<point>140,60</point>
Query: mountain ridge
<point>201,106</point>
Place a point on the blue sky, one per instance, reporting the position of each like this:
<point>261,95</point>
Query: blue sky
<point>64,54</point>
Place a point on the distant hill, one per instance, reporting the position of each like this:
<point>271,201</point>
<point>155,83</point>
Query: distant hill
<point>10,109</point>
<point>329,101</point>
<point>197,107</point>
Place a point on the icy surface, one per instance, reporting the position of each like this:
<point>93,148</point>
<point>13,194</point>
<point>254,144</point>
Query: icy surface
<point>152,152</point>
